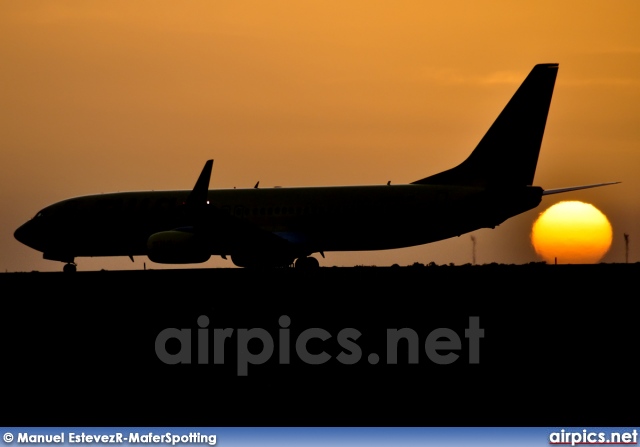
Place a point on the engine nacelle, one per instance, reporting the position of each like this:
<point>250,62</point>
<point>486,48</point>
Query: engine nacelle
<point>176,247</point>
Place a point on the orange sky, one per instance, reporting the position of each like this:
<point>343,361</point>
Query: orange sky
<point>113,96</point>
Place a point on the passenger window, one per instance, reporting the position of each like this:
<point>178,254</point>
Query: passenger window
<point>116,204</point>
<point>130,204</point>
<point>162,204</point>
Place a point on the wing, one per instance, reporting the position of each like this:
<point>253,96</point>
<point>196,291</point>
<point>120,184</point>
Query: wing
<point>226,234</point>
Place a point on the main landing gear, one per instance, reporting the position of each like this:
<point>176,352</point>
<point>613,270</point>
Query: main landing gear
<point>307,263</point>
<point>69,268</point>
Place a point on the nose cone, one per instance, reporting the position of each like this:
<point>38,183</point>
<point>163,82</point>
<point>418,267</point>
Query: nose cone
<point>20,234</point>
<point>26,234</point>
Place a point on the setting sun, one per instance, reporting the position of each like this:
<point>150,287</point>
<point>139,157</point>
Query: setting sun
<point>571,232</point>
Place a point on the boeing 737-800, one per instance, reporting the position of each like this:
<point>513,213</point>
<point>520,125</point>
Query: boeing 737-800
<point>277,227</point>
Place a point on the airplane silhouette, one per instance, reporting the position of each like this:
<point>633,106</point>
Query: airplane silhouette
<point>280,227</point>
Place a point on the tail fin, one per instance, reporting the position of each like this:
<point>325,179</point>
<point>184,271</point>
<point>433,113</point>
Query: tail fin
<point>508,153</point>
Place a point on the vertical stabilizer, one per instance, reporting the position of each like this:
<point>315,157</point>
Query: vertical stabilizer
<point>507,155</point>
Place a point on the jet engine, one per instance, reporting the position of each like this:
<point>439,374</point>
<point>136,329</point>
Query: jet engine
<point>176,247</point>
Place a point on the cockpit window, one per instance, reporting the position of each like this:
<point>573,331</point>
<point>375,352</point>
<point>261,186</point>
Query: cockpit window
<point>38,215</point>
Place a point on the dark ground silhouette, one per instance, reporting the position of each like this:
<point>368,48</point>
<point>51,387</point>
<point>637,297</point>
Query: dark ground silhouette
<point>559,347</point>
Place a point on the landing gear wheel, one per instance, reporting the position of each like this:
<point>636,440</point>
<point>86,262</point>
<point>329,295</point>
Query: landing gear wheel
<point>69,268</point>
<point>307,263</point>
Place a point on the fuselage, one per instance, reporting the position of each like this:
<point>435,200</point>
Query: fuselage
<point>316,219</point>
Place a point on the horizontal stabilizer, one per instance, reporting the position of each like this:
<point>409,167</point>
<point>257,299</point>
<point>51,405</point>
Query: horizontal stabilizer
<point>575,188</point>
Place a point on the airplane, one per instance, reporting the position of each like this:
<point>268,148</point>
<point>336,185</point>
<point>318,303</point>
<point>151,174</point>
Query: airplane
<point>283,227</point>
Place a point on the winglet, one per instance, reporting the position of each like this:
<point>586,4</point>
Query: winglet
<point>198,195</point>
